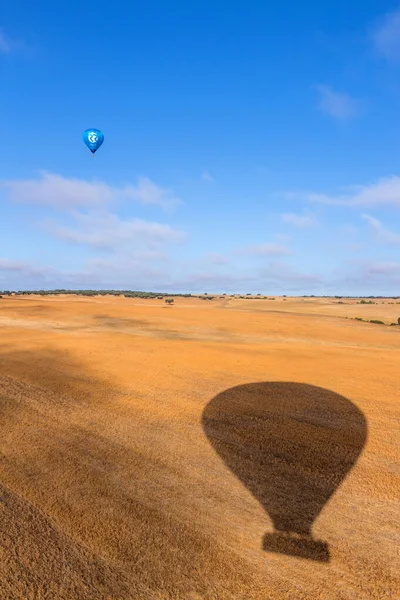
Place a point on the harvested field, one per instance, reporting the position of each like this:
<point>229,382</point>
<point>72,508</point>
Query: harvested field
<point>223,450</point>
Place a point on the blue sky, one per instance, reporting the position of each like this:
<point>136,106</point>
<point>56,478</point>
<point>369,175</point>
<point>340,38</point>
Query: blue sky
<point>249,147</point>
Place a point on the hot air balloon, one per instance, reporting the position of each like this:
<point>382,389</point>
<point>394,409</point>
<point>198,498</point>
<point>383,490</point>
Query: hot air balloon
<point>93,139</point>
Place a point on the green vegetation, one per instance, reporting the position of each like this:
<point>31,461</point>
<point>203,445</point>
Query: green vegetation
<point>376,321</point>
<point>169,300</point>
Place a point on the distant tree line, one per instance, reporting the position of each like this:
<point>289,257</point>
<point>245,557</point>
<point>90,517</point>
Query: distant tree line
<point>162,295</point>
<point>125,293</point>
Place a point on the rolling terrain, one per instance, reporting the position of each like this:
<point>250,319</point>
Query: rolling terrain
<point>228,449</point>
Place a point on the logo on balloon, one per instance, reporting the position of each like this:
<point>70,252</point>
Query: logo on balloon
<point>93,139</point>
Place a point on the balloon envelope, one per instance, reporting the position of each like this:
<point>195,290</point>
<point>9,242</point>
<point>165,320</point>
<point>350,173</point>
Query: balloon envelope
<point>93,139</point>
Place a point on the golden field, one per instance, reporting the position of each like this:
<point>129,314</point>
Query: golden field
<point>209,450</point>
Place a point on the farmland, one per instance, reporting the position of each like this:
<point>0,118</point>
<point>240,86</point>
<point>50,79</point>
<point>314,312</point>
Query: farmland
<point>232,449</point>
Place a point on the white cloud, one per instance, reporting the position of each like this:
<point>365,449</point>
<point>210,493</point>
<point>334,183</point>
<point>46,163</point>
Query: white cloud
<point>282,237</point>
<point>12,265</point>
<point>15,271</point>
<point>390,268</point>
<point>96,274</point>
<point>386,37</point>
<point>368,277</point>
<point>68,193</point>
<point>121,272</point>
<point>348,229</point>
<point>216,258</point>
<point>299,220</point>
<point>380,233</point>
<point>148,192</point>
<point>275,277</point>
<point>60,192</point>
<point>360,276</point>
<point>214,281</point>
<point>338,105</point>
<point>384,192</point>
<point>269,249</point>
<point>106,231</point>
<point>281,274</point>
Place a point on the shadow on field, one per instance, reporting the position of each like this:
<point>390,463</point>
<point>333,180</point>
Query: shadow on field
<point>86,489</point>
<point>291,445</point>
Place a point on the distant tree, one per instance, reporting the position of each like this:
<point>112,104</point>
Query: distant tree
<point>398,321</point>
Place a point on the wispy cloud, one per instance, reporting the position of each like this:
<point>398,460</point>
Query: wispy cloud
<point>386,36</point>
<point>266,250</point>
<point>106,231</point>
<point>9,45</point>
<point>302,221</point>
<point>348,229</point>
<point>384,192</point>
<point>68,193</point>
<point>5,44</point>
<point>95,273</point>
<point>147,192</point>
<point>366,276</point>
<point>339,105</point>
<point>206,176</point>
<point>280,274</point>
<point>12,265</point>
<point>22,271</point>
<point>380,233</point>
<point>214,282</point>
<point>275,277</point>
<point>282,237</point>
<point>215,258</point>
<point>355,276</point>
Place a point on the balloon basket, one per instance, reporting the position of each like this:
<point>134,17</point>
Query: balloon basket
<point>296,545</point>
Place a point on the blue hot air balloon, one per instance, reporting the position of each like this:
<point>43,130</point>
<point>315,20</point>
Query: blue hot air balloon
<point>93,139</point>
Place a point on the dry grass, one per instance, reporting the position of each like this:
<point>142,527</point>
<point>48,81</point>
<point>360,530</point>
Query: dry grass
<point>151,452</point>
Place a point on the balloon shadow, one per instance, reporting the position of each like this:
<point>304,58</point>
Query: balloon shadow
<point>291,445</point>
